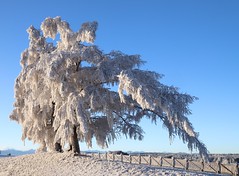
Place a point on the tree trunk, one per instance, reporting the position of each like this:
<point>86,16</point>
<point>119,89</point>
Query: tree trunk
<point>58,147</point>
<point>75,147</point>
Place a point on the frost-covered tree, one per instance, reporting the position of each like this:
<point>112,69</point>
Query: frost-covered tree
<point>67,92</point>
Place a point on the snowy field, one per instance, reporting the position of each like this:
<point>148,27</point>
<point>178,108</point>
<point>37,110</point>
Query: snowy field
<point>65,164</point>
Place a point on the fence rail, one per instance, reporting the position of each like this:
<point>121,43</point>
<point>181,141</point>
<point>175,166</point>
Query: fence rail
<point>213,167</point>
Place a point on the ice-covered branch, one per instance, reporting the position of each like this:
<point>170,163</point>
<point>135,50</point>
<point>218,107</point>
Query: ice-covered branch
<point>62,88</point>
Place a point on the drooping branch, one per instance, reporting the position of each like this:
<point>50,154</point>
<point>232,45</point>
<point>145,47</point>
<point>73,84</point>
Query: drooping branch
<point>133,130</point>
<point>193,142</point>
<point>54,86</point>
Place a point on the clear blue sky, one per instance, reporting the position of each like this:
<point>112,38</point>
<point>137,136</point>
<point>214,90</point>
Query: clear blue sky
<point>195,44</point>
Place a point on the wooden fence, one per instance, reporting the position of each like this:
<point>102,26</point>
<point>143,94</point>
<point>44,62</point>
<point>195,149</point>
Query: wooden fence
<point>213,167</point>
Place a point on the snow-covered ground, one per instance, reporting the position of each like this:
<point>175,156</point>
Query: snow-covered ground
<point>65,164</point>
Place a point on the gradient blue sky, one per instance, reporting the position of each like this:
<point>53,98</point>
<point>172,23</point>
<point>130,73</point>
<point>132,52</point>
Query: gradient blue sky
<point>194,43</point>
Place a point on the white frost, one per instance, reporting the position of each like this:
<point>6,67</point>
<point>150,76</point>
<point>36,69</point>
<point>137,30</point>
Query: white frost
<point>70,85</point>
<point>49,164</point>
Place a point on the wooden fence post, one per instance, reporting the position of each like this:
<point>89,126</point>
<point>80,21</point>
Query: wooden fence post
<point>161,162</point>
<point>202,166</point>
<point>187,164</point>
<point>130,159</point>
<point>150,160</point>
<point>121,157</point>
<point>219,167</point>
<point>237,170</point>
<point>113,156</point>
<point>99,155</point>
<point>106,156</point>
<point>173,164</point>
<point>139,159</point>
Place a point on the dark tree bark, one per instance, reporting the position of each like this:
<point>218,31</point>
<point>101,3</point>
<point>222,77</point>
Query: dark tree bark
<point>58,147</point>
<point>75,147</point>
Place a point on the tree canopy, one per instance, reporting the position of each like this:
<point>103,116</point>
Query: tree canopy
<point>72,88</point>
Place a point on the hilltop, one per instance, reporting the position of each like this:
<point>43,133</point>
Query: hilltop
<point>66,164</point>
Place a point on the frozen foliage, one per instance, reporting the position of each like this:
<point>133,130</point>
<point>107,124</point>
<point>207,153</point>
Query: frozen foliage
<point>72,85</point>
